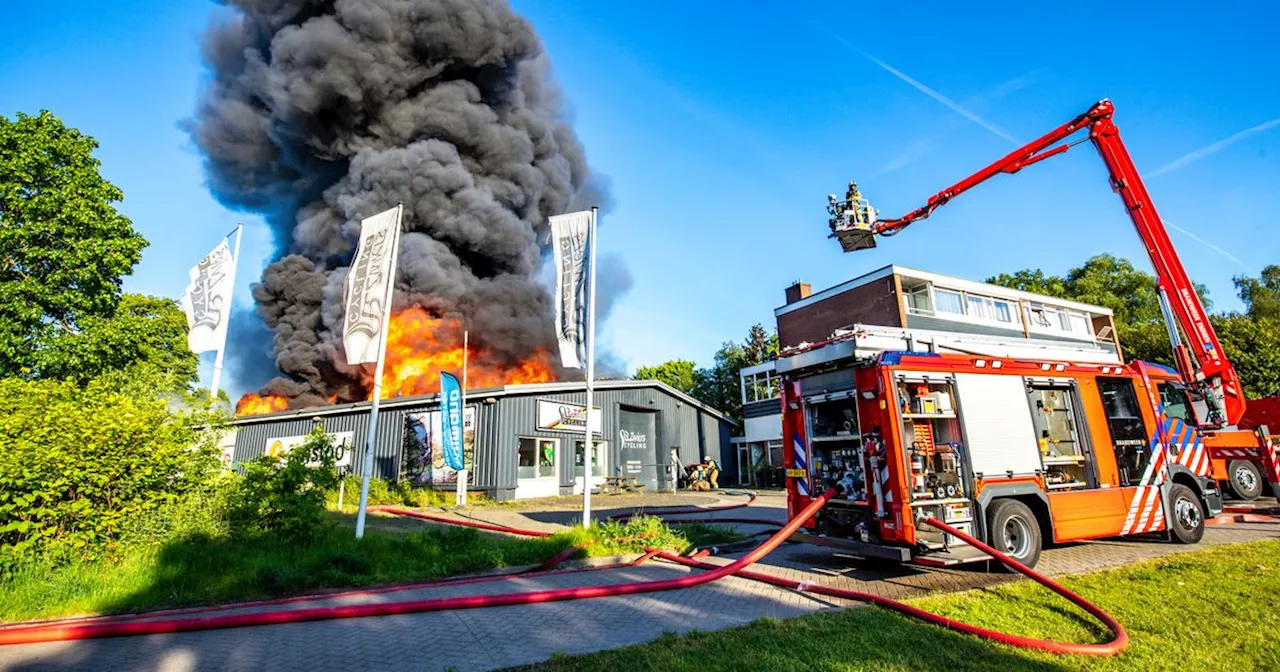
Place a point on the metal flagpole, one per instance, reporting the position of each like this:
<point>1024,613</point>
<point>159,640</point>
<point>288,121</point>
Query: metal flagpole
<point>217,362</point>
<point>589,448</point>
<point>367,467</point>
<point>460,498</point>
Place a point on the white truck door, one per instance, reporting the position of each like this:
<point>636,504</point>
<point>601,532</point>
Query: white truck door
<point>996,421</point>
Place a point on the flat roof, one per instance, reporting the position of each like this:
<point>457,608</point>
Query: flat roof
<point>945,280</point>
<point>483,393</point>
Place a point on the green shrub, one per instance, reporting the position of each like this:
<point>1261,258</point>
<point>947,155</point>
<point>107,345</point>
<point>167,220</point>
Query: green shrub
<point>286,495</point>
<point>79,465</point>
<point>396,493</point>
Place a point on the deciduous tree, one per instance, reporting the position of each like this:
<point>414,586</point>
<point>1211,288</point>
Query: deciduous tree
<point>719,386</point>
<point>1261,295</point>
<point>141,329</point>
<point>1251,340</point>
<point>64,250</point>
<point>678,373</point>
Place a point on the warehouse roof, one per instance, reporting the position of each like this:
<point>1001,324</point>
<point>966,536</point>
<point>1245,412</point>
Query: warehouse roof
<point>483,394</point>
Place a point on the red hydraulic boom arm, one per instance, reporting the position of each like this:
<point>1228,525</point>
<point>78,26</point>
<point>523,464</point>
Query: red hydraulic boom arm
<point>1203,364</point>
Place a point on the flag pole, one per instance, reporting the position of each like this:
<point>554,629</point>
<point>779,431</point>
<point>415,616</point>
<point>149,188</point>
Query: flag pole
<point>367,467</point>
<point>217,362</point>
<point>589,448</point>
<point>460,498</point>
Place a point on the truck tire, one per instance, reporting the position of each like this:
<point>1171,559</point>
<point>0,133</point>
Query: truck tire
<point>1187,522</point>
<point>1013,530</point>
<point>1244,479</point>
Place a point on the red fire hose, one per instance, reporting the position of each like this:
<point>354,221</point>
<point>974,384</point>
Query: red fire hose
<point>543,569</point>
<point>1115,646</point>
<point>137,626</point>
<point>74,631</point>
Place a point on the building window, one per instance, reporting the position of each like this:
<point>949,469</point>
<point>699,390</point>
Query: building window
<point>978,307</point>
<point>537,458</point>
<point>597,458</point>
<point>1003,311</point>
<point>948,301</point>
<point>1039,317</point>
<point>973,305</point>
<point>1054,319</point>
<point>761,386</point>
<point>918,302</point>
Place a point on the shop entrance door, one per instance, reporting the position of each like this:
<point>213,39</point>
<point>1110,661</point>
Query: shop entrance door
<point>637,447</point>
<point>599,464</point>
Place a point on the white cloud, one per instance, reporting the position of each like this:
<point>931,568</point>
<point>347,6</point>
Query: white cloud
<point>916,84</point>
<point>1191,157</point>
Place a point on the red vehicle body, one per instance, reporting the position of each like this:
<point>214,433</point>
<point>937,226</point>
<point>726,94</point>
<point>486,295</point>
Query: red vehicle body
<point>1121,449</point>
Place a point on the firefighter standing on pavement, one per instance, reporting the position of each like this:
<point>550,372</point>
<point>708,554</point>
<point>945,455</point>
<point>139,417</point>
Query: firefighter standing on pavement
<point>713,472</point>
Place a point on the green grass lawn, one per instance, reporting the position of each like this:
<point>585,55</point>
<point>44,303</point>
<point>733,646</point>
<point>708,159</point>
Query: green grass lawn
<point>200,570</point>
<point>1215,609</point>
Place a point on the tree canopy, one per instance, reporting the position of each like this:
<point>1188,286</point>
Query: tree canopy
<point>760,345</point>
<point>142,329</point>
<point>1251,340</point>
<point>64,251</point>
<point>1261,295</point>
<point>678,373</point>
<point>719,385</point>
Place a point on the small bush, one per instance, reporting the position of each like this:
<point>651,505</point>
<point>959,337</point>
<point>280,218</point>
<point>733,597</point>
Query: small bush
<point>285,495</point>
<point>80,465</point>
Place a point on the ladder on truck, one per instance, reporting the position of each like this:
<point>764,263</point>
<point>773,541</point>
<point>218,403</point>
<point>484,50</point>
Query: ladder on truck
<point>867,342</point>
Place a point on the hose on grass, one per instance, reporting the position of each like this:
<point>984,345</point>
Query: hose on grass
<point>137,626</point>
<point>149,625</point>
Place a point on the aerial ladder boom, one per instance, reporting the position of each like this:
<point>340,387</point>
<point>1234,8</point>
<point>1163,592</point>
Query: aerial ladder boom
<point>1202,364</point>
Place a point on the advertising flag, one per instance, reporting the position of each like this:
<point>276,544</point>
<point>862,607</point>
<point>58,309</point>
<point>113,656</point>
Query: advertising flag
<point>207,301</point>
<point>569,242</point>
<point>367,285</point>
<point>451,420</point>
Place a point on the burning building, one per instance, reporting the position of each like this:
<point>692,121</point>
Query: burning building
<point>520,440</point>
<point>320,113</point>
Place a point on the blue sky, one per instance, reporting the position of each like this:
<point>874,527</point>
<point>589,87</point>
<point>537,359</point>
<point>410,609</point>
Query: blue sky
<point>723,126</point>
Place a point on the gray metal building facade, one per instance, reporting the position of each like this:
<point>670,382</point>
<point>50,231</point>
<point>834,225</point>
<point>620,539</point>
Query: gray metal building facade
<point>505,415</point>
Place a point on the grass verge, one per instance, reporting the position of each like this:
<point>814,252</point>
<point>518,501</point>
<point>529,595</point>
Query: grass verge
<point>1210,609</point>
<point>202,569</point>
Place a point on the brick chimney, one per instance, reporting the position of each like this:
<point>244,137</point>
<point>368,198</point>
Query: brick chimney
<point>798,291</point>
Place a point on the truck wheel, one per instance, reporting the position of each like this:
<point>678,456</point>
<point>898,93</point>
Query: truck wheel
<point>1188,515</point>
<point>1245,480</point>
<point>1014,531</point>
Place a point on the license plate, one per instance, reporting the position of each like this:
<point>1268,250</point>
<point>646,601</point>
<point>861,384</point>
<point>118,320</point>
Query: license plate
<point>795,473</point>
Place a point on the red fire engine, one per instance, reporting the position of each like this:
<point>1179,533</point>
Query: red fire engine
<point>1018,450</point>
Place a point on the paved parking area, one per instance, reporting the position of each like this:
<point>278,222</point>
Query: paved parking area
<point>484,639</point>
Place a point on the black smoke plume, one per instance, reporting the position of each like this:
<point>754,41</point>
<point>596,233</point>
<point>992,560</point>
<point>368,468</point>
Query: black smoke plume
<point>322,112</point>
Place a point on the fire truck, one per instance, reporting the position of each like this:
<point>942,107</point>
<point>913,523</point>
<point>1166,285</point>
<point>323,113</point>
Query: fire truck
<point>1016,446</point>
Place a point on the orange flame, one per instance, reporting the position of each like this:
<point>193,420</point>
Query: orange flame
<point>419,347</point>
<point>252,404</point>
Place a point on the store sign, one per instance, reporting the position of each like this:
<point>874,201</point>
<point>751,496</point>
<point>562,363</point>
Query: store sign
<point>343,443</point>
<point>559,416</point>
<point>633,440</point>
